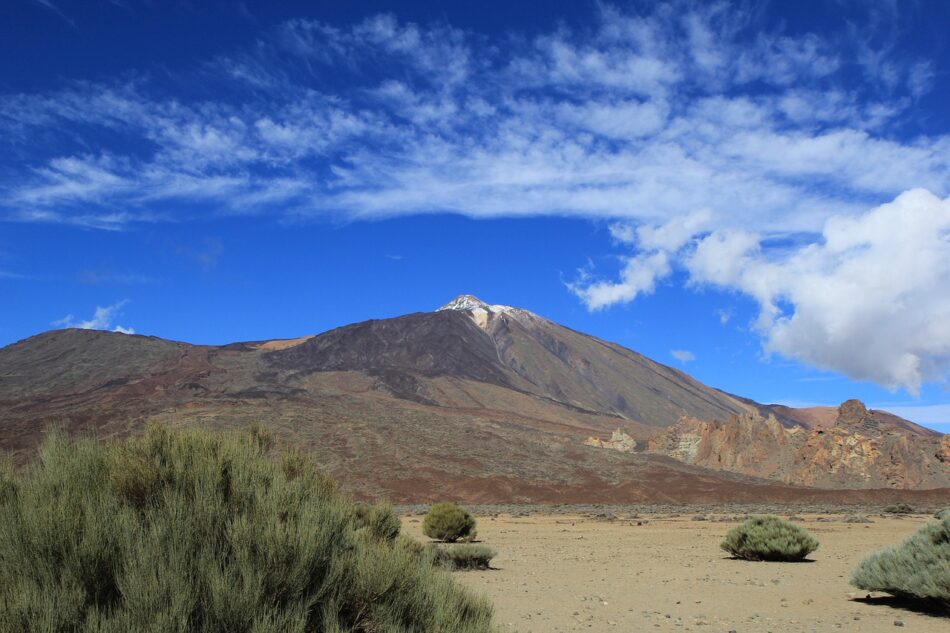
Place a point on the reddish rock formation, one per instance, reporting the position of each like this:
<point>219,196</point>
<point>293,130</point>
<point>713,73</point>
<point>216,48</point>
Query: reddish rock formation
<point>862,449</point>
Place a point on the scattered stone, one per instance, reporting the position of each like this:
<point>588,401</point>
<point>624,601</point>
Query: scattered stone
<point>857,518</point>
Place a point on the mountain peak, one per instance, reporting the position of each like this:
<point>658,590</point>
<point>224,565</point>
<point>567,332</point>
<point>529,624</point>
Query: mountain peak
<point>465,302</point>
<point>471,303</point>
<point>484,313</point>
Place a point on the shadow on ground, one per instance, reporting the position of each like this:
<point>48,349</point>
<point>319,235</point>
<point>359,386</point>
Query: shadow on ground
<point>923,607</point>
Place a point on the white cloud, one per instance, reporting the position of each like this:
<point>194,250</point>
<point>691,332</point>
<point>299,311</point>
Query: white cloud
<point>639,277</point>
<point>641,272</point>
<point>644,117</point>
<point>102,319</point>
<point>870,298</point>
<point>683,356</point>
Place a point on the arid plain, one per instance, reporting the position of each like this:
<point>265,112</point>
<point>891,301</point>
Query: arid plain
<point>660,572</point>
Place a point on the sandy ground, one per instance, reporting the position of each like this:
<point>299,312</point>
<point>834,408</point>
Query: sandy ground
<point>563,573</point>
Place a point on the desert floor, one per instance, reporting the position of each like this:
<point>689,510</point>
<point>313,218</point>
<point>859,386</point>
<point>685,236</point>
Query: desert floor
<point>571,573</point>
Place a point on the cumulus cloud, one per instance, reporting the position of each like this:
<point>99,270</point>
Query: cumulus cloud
<point>640,274</point>
<point>683,356</point>
<point>870,298</point>
<point>638,277</point>
<point>102,319</point>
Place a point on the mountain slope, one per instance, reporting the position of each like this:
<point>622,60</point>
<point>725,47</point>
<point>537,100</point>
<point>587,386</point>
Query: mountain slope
<point>510,348</point>
<point>474,401</point>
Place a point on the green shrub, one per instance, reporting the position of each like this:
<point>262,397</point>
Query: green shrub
<point>769,538</point>
<point>261,437</point>
<point>918,568</point>
<point>464,556</point>
<point>379,520</point>
<point>448,522</point>
<point>942,514</point>
<point>899,508</point>
<point>195,531</point>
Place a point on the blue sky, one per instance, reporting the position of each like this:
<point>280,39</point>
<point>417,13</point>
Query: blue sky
<point>754,192</point>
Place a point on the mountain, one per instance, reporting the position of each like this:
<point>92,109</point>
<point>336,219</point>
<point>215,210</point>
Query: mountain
<point>473,401</point>
<point>509,348</point>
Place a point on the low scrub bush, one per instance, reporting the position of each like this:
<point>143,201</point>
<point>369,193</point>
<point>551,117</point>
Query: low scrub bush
<point>769,538</point>
<point>195,531</point>
<point>918,568</point>
<point>899,508</point>
<point>379,520</point>
<point>463,556</point>
<point>942,514</point>
<point>449,523</point>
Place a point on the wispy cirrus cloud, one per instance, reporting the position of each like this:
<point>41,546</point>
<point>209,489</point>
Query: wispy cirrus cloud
<point>98,276</point>
<point>683,355</point>
<point>103,318</point>
<point>643,116</point>
<point>718,145</point>
<point>48,4</point>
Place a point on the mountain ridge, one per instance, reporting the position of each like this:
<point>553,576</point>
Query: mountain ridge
<point>476,401</point>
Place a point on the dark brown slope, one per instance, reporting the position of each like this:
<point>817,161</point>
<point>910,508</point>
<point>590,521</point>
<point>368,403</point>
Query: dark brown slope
<point>476,403</point>
<point>71,361</point>
<point>592,374</point>
<point>400,352</point>
<point>513,349</point>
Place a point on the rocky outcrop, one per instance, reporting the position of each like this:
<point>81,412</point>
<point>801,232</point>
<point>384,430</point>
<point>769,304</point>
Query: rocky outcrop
<point>862,449</point>
<point>619,441</point>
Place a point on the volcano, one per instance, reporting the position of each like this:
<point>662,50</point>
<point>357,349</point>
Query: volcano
<point>475,402</point>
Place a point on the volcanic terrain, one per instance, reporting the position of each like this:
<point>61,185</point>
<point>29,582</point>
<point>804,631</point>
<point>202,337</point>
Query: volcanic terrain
<point>477,402</point>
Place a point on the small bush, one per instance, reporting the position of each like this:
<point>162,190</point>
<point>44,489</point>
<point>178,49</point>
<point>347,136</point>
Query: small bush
<point>918,568</point>
<point>942,514</point>
<point>379,520</point>
<point>447,522</point>
<point>464,556</point>
<point>196,531</point>
<point>899,508</point>
<point>769,538</point>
